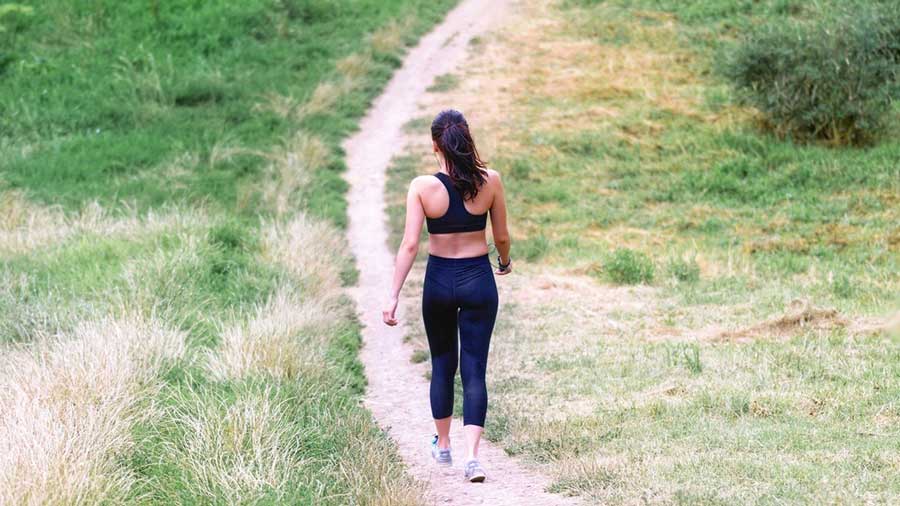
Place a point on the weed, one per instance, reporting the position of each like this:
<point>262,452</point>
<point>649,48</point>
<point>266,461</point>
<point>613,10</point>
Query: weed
<point>626,266</point>
<point>684,270</point>
<point>419,356</point>
<point>684,355</point>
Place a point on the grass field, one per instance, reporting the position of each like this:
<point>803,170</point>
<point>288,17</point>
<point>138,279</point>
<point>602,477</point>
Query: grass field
<point>172,329</point>
<point>698,310</point>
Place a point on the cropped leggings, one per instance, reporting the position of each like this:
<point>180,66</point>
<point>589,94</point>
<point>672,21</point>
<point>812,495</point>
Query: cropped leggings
<point>460,295</point>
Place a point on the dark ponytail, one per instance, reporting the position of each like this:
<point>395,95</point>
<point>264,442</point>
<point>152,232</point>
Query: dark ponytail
<point>450,132</point>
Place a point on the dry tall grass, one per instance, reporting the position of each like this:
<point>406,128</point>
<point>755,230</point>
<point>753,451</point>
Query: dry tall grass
<point>23,318</point>
<point>390,38</point>
<point>352,71</point>
<point>306,248</point>
<point>285,339</point>
<point>323,98</point>
<point>355,66</point>
<point>25,226</point>
<point>287,335</point>
<point>374,480</point>
<point>290,168</point>
<point>280,105</point>
<point>67,407</point>
<point>235,450</point>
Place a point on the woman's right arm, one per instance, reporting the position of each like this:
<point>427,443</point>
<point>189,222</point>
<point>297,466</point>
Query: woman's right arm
<point>498,223</point>
<point>406,254</point>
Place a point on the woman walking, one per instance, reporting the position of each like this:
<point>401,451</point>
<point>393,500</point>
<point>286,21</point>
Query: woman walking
<point>460,295</point>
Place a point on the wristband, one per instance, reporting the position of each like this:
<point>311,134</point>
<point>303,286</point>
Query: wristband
<point>501,266</point>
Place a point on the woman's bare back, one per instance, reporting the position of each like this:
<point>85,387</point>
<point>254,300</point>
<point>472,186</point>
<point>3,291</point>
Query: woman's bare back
<point>435,202</point>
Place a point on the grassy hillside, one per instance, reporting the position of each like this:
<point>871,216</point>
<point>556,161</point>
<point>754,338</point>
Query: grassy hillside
<point>160,102</point>
<point>697,311</point>
<point>171,323</point>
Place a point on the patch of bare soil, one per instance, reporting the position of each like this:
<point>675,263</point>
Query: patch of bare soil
<point>802,316</point>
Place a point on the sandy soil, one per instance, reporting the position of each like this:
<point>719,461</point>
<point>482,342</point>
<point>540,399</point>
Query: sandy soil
<point>398,392</point>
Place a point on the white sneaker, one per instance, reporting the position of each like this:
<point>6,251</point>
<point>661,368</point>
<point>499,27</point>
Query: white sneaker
<point>474,472</point>
<point>442,457</point>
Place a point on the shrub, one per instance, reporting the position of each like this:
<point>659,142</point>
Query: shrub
<point>629,267</point>
<point>833,78</point>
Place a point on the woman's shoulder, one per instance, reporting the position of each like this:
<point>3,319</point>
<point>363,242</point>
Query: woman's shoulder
<point>423,183</point>
<point>493,177</point>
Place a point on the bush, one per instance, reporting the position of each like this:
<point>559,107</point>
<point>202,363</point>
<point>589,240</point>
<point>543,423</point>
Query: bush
<point>629,267</point>
<point>833,78</point>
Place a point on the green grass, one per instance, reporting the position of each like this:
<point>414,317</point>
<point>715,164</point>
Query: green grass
<point>736,423</point>
<point>693,171</point>
<point>185,106</point>
<point>444,82</point>
<point>89,275</point>
<point>107,95</point>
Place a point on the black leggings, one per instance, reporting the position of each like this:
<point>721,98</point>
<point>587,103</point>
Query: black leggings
<point>459,294</point>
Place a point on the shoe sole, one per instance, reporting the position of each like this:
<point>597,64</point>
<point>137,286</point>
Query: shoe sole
<point>479,478</point>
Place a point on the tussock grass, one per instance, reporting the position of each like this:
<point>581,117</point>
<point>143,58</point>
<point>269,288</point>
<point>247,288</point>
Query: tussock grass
<point>355,66</point>
<point>25,319</point>
<point>305,247</point>
<point>363,467</point>
<point>324,97</point>
<point>286,339</point>
<point>67,407</point>
<point>283,106</point>
<point>391,37</point>
<point>25,226</point>
<point>291,168</point>
<point>235,450</point>
<point>145,78</point>
<point>267,441</point>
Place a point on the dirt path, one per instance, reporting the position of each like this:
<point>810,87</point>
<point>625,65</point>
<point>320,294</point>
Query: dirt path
<point>397,392</point>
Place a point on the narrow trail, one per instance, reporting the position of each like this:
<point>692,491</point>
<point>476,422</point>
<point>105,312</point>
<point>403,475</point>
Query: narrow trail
<point>397,392</point>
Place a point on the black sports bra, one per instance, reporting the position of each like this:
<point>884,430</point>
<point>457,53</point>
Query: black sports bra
<point>457,218</point>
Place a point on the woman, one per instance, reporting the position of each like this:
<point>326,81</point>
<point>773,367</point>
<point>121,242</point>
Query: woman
<point>460,294</point>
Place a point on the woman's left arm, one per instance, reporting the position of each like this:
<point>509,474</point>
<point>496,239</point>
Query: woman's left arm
<point>406,255</point>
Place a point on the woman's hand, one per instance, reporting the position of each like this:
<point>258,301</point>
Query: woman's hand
<point>389,315</point>
<point>503,272</point>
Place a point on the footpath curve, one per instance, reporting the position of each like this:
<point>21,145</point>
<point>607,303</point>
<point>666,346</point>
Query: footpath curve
<point>397,393</point>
